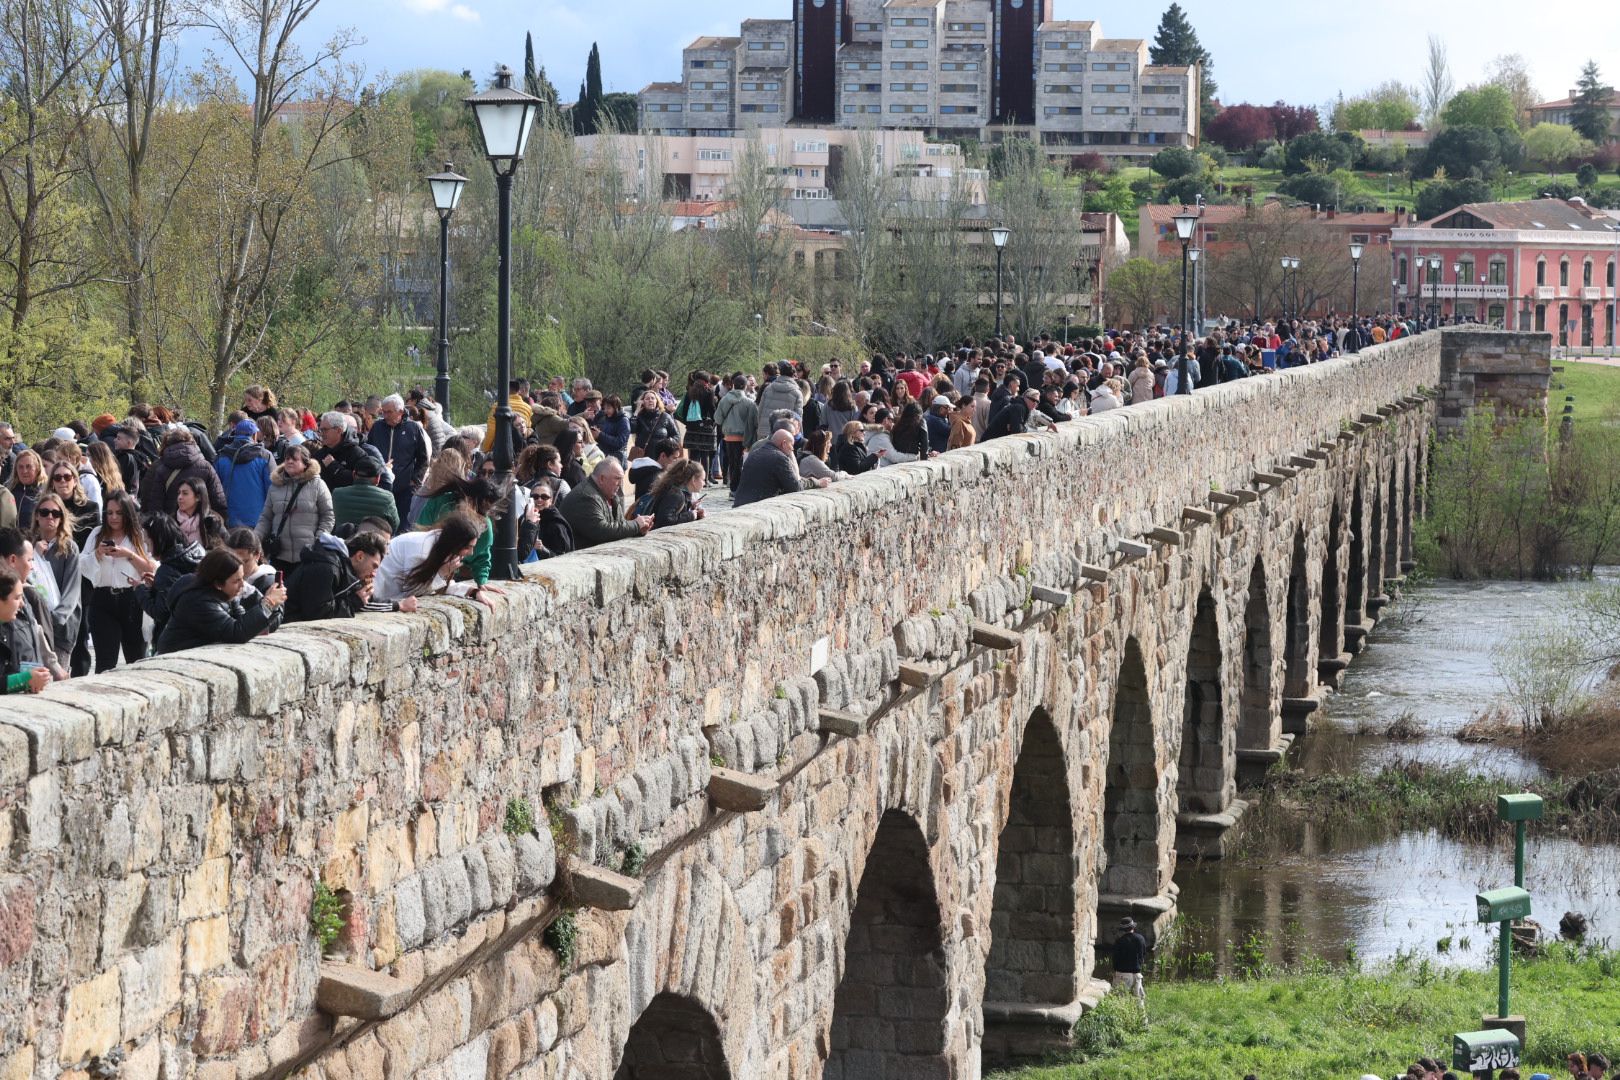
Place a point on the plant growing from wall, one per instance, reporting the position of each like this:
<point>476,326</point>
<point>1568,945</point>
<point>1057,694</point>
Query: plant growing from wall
<point>326,917</point>
<point>635,860</point>
<point>519,817</point>
<point>562,938</point>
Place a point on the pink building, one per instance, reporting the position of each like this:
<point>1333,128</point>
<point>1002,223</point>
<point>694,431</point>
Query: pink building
<point>1545,264</point>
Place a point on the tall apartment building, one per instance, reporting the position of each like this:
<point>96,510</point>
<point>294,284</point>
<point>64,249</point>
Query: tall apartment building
<point>984,69</point>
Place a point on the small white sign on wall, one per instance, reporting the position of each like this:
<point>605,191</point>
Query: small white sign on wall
<point>820,653</point>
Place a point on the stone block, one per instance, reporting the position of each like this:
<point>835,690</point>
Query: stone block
<point>347,990</point>
<point>740,792</point>
<point>599,887</point>
<point>409,916</point>
<point>151,984</point>
<point>91,1022</point>
<point>57,732</point>
<point>42,813</point>
<point>536,862</point>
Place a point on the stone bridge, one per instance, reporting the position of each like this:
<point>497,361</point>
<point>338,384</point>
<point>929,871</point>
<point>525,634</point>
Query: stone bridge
<point>850,785</point>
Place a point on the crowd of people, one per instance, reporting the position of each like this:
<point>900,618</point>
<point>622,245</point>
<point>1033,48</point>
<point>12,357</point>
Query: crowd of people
<point>1593,1066</point>
<point>150,533</point>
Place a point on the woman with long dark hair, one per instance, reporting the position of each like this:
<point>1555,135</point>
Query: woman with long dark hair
<point>674,494</point>
<point>197,520</point>
<point>115,561</point>
<point>426,563</point>
<point>52,534</point>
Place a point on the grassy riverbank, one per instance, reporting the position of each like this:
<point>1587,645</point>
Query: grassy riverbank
<point>1323,1023</point>
<point>1596,388</point>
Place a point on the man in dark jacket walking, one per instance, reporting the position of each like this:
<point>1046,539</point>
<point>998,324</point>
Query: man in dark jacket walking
<point>769,469</point>
<point>180,460</point>
<point>1130,954</point>
<point>404,447</point>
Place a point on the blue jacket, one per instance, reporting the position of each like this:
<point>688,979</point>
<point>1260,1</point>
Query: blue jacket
<point>244,472</point>
<point>612,434</point>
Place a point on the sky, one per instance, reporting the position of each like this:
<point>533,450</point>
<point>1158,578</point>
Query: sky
<point>1263,50</point>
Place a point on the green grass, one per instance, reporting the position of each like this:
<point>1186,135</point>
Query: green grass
<point>1340,1024</point>
<point>1596,389</point>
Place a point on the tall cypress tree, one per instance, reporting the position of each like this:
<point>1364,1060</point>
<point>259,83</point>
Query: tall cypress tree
<point>1589,114</point>
<point>1176,44</point>
<point>588,109</point>
<point>536,83</point>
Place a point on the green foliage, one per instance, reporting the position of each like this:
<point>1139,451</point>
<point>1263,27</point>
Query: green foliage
<point>519,817</point>
<point>1176,44</point>
<point>1443,195</point>
<point>1316,1021</point>
<point>1113,197</point>
<point>1465,150</point>
<point>1589,115</point>
<point>326,916</point>
<point>1552,146</point>
<point>562,938</point>
<point>1314,188</point>
<point>635,860</point>
<point>1389,107</point>
<point>1174,162</point>
<point>1487,106</point>
<point>1317,152</point>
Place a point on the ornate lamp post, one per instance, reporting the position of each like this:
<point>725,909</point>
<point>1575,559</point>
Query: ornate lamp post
<point>999,236</point>
<point>446,188</point>
<point>1194,256</point>
<point>1185,221</point>
<point>1355,278</point>
<point>505,117</point>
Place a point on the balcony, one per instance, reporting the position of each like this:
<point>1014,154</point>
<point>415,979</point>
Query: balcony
<point>1466,291</point>
<point>1592,292</point>
<point>1546,292</point>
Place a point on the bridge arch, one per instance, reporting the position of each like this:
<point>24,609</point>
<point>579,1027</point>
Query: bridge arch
<point>1201,773</point>
<point>1332,616</point>
<point>1396,519</point>
<point>1355,589</point>
<point>890,1010</point>
<point>1375,545</point>
<point>1032,923</point>
<point>1256,715</point>
<point>1297,676</point>
<point>674,1038</point>
<point>1129,863</point>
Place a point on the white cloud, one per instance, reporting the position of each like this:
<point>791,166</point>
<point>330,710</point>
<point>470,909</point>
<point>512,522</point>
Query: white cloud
<point>434,7</point>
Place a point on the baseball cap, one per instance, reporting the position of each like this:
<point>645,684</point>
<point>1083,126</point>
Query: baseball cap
<point>245,429</point>
<point>940,399</point>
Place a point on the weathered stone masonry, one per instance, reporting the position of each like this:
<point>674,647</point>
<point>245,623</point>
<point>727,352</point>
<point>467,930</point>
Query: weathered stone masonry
<point>880,745</point>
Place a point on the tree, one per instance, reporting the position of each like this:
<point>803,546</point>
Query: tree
<point>1239,127</point>
<point>1463,151</point>
<point>1174,162</point>
<point>1293,121</point>
<point>1444,195</point>
<point>1589,114</point>
<point>1114,197</point>
<point>1317,189</point>
<point>1488,106</point>
<point>1316,152</point>
<point>1437,87</point>
<point>1387,107</point>
<point>535,81</point>
<point>1551,146</point>
<point>1176,44</point>
<point>1139,291</point>
<point>619,113</point>
<point>1043,210</point>
<point>1511,72</point>
<point>587,114</point>
<point>865,190</point>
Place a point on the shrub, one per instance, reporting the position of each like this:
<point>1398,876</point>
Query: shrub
<point>326,917</point>
<point>519,817</point>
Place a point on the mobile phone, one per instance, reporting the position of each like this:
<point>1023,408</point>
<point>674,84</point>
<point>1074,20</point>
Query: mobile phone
<point>699,498</point>
<point>278,577</point>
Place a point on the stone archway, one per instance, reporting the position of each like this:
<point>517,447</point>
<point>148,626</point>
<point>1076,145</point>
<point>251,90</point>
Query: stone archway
<point>1255,703</point>
<point>1375,556</point>
<point>1031,970</point>
<point>1395,520</point>
<point>1331,619</point>
<point>1032,923</point>
<point>1355,598</point>
<point>674,1038</point>
<point>1130,843</point>
<point>1297,680</point>
<point>890,1009</point>
<point>1201,769</point>
<point>1409,518</point>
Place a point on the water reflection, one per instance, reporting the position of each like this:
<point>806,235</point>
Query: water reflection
<point>1313,892</point>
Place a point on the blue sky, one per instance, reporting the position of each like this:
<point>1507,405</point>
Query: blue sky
<point>1302,52</point>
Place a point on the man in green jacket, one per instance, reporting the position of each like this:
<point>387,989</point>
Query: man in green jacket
<point>592,508</point>
<point>364,498</point>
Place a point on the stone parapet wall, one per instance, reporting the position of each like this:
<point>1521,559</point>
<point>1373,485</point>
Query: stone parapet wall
<point>164,825</point>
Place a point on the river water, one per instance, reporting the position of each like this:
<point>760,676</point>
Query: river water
<point>1315,893</point>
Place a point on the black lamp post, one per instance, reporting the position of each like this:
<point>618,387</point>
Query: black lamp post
<point>504,117</point>
<point>1196,310</point>
<point>446,188</point>
<point>999,236</point>
<point>1355,291</point>
<point>1185,221</point>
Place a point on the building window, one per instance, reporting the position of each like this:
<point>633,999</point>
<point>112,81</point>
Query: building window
<point>959,88</point>
<point>1563,273</point>
<point>1110,88</point>
<point>1497,272</point>
<point>1400,271</point>
<point>966,27</point>
<point>908,65</point>
<point>908,88</point>
<point>1541,273</point>
<point>959,109</point>
<point>1465,270</point>
<point>1110,67</point>
<point>1161,90</point>
<point>959,65</point>
<point>908,43</point>
<point>1110,110</point>
<point>713,155</point>
<point>1611,273</point>
<point>908,108</point>
<point>1161,110</point>
<point>1060,88</point>
<point>1586,273</point>
<point>909,22</point>
<point>867,27</point>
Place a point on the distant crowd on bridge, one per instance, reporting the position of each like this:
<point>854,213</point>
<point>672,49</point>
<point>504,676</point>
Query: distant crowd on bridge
<point>121,537</point>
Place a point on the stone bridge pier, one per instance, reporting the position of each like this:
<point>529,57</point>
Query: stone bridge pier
<point>850,785</point>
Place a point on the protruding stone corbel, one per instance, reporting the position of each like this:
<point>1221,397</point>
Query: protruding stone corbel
<point>1370,418</point>
<point>1301,461</point>
<point>1287,472</point>
<point>1320,453</point>
<point>1247,495</point>
<point>994,637</point>
<point>348,990</point>
<point>1388,410</point>
<point>604,889</point>
<point>1269,479</point>
<point>1055,597</point>
<point>1198,515</point>
<point>743,792</point>
<point>1350,436</point>
<point>1165,535</point>
<point>1131,549</point>
<point>918,675</point>
<point>1094,573</point>
<point>844,724</point>
<point>1224,498</point>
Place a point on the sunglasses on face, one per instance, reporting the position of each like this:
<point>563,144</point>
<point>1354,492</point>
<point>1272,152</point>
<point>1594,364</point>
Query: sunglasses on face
<point>48,513</point>
<point>62,476</point>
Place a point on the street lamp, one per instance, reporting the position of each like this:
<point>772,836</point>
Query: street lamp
<point>1355,289</point>
<point>446,188</point>
<point>1193,256</point>
<point>999,236</point>
<point>1289,262</point>
<point>1394,283</point>
<point>1186,221</point>
<point>505,117</point>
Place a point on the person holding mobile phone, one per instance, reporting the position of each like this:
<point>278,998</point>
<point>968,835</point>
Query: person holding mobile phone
<point>676,494</point>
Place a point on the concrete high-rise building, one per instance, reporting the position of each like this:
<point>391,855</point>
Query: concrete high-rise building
<point>984,69</point>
